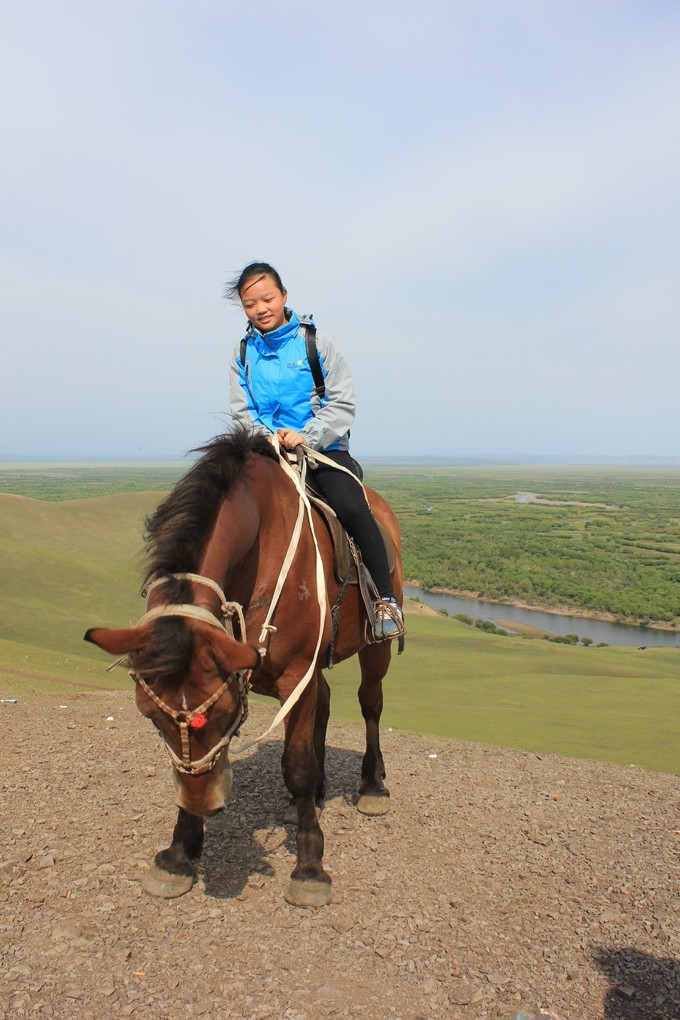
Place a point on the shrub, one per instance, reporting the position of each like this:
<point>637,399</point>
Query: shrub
<point>464,618</point>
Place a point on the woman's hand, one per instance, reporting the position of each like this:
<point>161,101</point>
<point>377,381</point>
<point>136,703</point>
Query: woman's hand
<point>289,439</point>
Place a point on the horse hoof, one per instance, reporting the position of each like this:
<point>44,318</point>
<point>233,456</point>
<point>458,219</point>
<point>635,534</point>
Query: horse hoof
<point>374,803</point>
<point>308,894</point>
<point>157,882</point>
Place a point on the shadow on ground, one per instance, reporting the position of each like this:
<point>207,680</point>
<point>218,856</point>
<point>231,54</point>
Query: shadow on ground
<point>643,987</point>
<point>232,852</point>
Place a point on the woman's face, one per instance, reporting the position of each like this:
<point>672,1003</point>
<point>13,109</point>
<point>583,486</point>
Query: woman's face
<point>264,303</point>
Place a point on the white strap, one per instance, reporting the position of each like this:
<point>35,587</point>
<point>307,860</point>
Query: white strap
<point>285,568</point>
<point>180,609</point>
<point>299,482</point>
<point>197,578</point>
<point>228,609</point>
<point>313,457</point>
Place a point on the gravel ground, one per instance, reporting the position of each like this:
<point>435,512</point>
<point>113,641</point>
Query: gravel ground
<point>499,879</point>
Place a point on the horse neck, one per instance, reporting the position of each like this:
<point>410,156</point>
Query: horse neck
<point>233,534</point>
<point>259,514</point>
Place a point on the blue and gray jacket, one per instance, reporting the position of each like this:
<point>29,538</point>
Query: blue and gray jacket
<point>275,389</point>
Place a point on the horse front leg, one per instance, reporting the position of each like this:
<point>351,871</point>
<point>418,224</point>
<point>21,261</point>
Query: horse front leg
<point>173,871</point>
<point>323,708</point>
<point>374,797</point>
<point>310,885</point>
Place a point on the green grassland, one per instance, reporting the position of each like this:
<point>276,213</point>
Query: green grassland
<point>68,562</point>
<point>71,564</point>
<point>607,542</point>
<point>58,481</point>
<point>605,704</point>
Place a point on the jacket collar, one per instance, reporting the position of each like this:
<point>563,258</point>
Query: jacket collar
<point>277,337</point>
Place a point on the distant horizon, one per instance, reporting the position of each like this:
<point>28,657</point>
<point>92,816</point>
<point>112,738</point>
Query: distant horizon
<point>612,460</point>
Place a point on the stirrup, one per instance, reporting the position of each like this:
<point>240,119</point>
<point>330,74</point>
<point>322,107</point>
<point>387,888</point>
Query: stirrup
<point>389,620</point>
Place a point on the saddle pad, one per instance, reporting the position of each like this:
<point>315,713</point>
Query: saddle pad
<point>341,555</point>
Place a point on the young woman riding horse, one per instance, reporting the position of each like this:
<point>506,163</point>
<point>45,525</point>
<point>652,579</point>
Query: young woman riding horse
<point>272,390</point>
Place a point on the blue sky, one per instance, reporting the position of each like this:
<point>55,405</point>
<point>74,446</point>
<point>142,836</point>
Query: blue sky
<point>480,200</point>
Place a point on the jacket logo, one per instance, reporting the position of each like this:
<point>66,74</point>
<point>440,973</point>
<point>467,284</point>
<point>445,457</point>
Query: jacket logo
<point>295,364</point>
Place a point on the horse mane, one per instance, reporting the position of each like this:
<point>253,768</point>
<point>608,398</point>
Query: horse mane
<point>175,535</point>
<point>176,531</point>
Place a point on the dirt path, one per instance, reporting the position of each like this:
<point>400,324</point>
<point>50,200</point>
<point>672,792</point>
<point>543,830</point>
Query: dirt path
<point>500,878</point>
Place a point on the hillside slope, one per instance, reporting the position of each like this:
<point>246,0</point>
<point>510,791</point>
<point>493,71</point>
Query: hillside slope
<point>76,564</point>
<point>499,878</point>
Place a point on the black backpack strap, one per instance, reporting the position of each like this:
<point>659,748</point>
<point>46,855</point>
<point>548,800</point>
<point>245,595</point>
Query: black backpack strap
<point>309,329</point>
<point>244,343</point>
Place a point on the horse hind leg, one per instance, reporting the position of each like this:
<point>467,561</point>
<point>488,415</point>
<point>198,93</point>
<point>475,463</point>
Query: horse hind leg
<point>173,872</point>
<point>374,797</point>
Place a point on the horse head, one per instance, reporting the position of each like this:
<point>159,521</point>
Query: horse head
<point>191,682</point>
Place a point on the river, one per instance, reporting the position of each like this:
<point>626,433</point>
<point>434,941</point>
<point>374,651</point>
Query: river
<point>599,631</point>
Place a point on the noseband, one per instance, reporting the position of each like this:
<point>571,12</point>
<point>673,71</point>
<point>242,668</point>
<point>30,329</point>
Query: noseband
<point>184,720</point>
<point>191,718</point>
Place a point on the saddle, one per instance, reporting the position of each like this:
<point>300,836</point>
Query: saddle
<point>345,553</point>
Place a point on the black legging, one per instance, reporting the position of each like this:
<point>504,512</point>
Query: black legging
<point>347,499</point>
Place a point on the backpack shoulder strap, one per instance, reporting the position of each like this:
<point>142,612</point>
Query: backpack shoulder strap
<point>309,330</point>
<point>244,344</point>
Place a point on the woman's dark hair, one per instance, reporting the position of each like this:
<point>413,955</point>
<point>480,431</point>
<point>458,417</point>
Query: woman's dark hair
<point>254,270</point>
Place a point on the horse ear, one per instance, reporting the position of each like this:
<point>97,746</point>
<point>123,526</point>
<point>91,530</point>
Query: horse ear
<point>229,655</point>
<point>116,642</point>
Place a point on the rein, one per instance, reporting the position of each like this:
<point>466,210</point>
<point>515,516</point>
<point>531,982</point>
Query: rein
<point>304,509</point>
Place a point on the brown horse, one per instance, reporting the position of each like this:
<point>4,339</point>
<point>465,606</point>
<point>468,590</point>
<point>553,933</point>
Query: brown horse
<point>227,528</point>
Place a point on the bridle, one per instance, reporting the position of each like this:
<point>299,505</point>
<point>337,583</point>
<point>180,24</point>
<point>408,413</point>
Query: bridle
<point>196,718</point>
<point>184,720</point>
